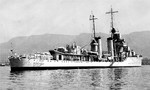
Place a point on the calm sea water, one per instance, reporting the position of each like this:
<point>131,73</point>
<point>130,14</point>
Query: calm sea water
<point>137,78</point>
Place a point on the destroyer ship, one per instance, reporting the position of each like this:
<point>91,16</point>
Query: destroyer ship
<point>73,56</point>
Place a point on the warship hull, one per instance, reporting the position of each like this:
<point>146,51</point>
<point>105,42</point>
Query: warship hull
<point>32,64</point>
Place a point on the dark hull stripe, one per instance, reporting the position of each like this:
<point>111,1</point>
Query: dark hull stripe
<point>54,68</point>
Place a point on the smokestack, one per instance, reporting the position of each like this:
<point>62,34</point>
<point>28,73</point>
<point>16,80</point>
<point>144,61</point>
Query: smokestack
<point>100,47</point>
<point>94,46</point>
<point>110,46</point>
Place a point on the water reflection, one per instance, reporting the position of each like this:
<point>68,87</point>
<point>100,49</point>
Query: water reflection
<point>116,76</point>
<point>96,78</point>
<point>76,79</point>
<point>15,76</point>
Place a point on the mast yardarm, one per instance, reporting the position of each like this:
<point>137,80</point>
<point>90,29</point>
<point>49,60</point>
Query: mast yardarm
<point>111,13</point>
<point>92,17</point>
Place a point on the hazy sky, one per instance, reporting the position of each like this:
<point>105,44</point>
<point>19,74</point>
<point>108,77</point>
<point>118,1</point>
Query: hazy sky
<point>71,17</point>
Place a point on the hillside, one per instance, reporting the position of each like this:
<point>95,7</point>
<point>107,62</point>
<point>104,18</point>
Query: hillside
<point>138,41</point>
<point>35,43</point>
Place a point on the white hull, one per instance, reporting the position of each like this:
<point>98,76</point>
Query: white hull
<point>26,63</point>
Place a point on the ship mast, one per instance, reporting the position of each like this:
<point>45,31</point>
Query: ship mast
<point>112,24</point>
<point>113,31</point>
<point>92,17</point>
<point>12,49</point>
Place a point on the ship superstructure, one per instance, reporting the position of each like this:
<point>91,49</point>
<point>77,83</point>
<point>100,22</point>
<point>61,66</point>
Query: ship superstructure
<point>73,56</point>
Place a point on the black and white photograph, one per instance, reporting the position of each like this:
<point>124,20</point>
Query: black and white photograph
<point>74,45</point>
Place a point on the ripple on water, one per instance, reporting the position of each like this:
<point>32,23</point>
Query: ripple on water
<point>77,79</point>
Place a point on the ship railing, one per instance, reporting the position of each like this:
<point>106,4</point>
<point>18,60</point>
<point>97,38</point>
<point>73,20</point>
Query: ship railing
<point>104,60</point>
